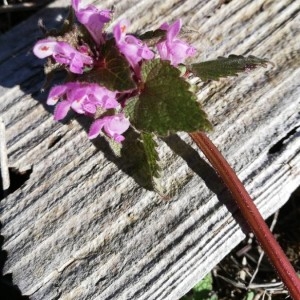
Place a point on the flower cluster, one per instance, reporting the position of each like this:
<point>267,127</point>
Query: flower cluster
<point>63,53</point>
<point>82,56</point>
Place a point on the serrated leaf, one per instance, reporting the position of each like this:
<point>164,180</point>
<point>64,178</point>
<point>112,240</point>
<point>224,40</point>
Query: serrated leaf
<point>226,66</point>
<point>151,154</point>
<point>113,71</point>
<point>130,107</point>
<point>166,103</point>
<point>139,151</point>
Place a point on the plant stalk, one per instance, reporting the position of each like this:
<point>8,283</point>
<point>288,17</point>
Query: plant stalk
<point>251,214</point>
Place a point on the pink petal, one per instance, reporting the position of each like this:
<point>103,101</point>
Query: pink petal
<point>44,48</point>
<point>174,49</point>
<point>109,102</point>
<point>145,53</point>
<point>103,97</point>
<point>120,30</point>
<point>96,128</point>
<point>164,26</point>
<point>131,47</point>
<point>61,110</point>
<point>66,54</point>
<point>55,93</point>
<point>119,138</point>
<point>174,29</point>
<point>78,106</point>
<point>76,64</point>
<point>92,18</point>
<point>75,4</point>
<point>163,50</point>
<point>115,126</point>
<point>89,108</point>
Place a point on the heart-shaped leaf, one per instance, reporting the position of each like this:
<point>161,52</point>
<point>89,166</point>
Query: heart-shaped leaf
<point>166,103</point>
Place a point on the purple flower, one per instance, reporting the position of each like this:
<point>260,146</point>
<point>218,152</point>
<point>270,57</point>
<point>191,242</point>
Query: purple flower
<point>63,53</point>
<point>131,47</point>
<point>84,98</point>
<point>113,126</point>
<point>44,48</point>
<point>172,48</point>
<point>92,18</point>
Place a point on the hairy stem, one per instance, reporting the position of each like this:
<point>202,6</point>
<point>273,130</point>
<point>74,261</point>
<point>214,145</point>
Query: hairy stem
<point>251,214</point>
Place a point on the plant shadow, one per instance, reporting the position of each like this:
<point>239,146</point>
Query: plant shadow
<point>206,172</point>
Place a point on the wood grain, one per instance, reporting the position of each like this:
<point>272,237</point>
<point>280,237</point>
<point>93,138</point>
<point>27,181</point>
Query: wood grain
<point>82,228</point>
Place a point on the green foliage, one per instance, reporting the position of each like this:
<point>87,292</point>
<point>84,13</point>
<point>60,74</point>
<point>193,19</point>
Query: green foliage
<point>139,150</point>
<point>226,66</point>
<point>151,154</point>
<point>152,37</point>
<point>204,284</point>
<point>250,295</point>
<point>202,290</point>
<point>129,109</point>
<point>112,71</point>
<point>166,103</point>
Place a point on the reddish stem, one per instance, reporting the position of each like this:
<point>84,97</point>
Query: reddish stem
<point>251,214</point>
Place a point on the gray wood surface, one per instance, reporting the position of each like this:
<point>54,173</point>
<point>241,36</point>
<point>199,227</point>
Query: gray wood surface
<point>82,228</point>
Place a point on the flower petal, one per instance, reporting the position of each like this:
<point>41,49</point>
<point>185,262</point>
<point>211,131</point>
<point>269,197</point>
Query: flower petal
<point>55,93</point>
<point>92,18</point>
<point>66,54</point>
<point>44,48</point>
<point>109,102</point>
<point>89,108</point>
<point>131,47</point>
<point>103,97</point>
<point>76,64</point>
<point>172,48</point>
<point>120,30</point>
<point>75,4</point>
<point>96,128</point>
<point>115,126</point>
<point>61,110</point>
<point>174,29</point>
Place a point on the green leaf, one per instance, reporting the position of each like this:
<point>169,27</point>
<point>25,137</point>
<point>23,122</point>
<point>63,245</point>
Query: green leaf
<point>226,66</point>
<point>129,109</point>
<point>205,284</point>
<point>149,166</point>
<point>151,154</point>
<point>152,37</point>
<point>250,295</point>
<point>139,151</point>
<point>166,103</point>
<point>112,71</point>
<point>203,290</point>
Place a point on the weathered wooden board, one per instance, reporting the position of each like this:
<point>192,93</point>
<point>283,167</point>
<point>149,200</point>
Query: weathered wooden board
<point>82,228</point>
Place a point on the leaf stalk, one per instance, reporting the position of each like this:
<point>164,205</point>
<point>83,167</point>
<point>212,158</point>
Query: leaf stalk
<point>251,214</point>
